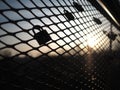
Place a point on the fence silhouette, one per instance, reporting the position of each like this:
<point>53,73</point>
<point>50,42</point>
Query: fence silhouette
<point>76,55</point>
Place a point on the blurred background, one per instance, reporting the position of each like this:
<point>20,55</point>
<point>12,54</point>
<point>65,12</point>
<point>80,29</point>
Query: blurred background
<point>60,44</point>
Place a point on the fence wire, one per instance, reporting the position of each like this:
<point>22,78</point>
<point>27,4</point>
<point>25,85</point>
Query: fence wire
<point>74,58</point>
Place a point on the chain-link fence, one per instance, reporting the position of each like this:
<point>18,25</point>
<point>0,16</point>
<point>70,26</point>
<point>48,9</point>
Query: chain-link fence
<point>74,56</point>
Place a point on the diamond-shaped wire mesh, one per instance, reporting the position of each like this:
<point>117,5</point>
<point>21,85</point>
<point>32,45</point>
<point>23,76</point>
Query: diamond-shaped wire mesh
<point>71,60</point>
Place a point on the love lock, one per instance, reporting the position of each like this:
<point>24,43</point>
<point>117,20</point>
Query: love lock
<point>68,15</point>
<point>97,20</point>
<point>112,36</point>
<point>78,6</point>
<point>42,37</point>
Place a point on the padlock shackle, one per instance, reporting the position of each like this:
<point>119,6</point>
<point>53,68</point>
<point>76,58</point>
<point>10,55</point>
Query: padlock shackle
<point>33,31</point>
<point>65,11</point>
<point>36,27</point>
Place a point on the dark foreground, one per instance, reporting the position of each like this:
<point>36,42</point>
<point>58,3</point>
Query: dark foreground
<point>91,72</point>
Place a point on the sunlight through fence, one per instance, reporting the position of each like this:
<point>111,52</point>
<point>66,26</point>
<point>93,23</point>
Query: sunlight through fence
<point>67,54</point>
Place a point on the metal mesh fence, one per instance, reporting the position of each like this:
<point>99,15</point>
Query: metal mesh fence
<point>72,59</point>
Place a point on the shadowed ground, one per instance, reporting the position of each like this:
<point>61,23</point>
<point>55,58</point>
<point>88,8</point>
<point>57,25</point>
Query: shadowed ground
<point>91,72</point>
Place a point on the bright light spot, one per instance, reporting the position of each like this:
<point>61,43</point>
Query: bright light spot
<point>91,41</point>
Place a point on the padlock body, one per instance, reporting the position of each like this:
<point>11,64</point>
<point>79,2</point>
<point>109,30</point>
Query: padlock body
<point>69,15</point>
<point>42,37</point>
<point>97,20</point>
<point>78,7</point>
<point>112,36</point>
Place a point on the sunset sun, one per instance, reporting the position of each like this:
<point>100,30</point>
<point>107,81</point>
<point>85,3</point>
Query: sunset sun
<point>91,42</point>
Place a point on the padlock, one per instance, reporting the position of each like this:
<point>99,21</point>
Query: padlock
<point>97,20</point>
<point>78,6</point>
<point>68,15</point>
<point>112,36</point>
<point>105,32</point>
<point>42,36</point>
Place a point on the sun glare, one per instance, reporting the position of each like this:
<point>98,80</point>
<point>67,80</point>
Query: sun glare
<point>91,42</point>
